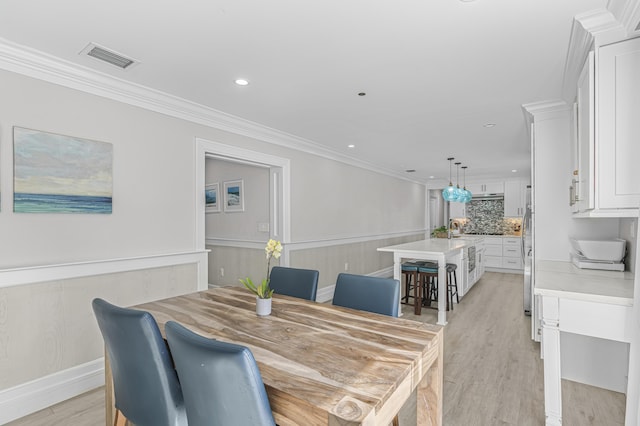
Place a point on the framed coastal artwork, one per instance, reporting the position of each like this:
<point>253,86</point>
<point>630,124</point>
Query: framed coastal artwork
<point>61,174</point>
<point>234,196</point>
<point>211,191</point>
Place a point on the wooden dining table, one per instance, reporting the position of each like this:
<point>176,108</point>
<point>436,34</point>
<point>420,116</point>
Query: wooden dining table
<point>321,364</point>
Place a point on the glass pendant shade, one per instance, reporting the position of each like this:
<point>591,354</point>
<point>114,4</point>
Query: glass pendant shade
<point>450,193</point>
<point>466,194</point>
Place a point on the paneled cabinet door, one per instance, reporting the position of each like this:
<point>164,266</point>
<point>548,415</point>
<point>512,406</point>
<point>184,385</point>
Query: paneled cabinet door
<point>618,131</point>
<point>513,198</point>
<point>486,188</point>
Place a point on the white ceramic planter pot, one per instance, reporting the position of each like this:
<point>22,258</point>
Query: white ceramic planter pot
<point>263,306</point>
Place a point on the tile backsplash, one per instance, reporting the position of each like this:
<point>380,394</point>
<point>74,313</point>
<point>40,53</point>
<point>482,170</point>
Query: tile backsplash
<point>487,217</point>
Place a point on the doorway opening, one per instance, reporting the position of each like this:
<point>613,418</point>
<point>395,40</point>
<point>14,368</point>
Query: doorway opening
<point>279,186</point>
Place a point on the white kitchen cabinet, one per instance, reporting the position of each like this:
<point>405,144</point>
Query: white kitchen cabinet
<point>479,261</point>
<point>514,198</point>
<point>618,125</point>
<point>493,252</point>
<point>512,253</point>
<point>486,188</point>
<point>583,182</point>
<point>502,252</point>
<point>606,176</point>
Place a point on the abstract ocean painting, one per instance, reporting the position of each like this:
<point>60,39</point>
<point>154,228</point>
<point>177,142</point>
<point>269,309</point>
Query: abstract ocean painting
<point>61,174</point>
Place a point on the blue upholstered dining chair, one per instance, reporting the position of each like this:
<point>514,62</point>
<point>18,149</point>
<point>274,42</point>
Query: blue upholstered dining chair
<point>302,283</point>
<point>220,381</point>
<point>146,387</point>
<point>372,294</point>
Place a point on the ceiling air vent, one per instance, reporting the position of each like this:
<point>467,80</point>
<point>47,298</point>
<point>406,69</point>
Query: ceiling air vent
<point>108,56</point>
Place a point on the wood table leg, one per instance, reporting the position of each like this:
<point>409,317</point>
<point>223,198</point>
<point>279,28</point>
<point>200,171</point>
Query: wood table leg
<point>430,391</point>
<point>110,410</point>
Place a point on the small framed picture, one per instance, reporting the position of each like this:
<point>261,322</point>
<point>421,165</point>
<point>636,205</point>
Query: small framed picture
<point>211,194</point>
<point>234,196</point>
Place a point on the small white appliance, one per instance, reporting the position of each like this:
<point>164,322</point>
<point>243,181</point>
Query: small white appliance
<point>607,254</point>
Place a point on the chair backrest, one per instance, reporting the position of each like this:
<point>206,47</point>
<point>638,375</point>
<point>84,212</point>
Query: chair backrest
<point>302,283</point>
<point>373,294</point>
<point>220,381</point>
<point>145,383</point>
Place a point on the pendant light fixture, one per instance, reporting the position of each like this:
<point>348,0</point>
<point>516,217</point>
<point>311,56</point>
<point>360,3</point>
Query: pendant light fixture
<point>459,194</point>
<point>466,194</point>
<point>450,193</point>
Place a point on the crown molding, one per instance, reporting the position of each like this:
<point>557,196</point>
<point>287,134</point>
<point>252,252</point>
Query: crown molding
<point>39,65</point>
<point>627,12</point>
<point>545,109</point>
<point>588,29</point>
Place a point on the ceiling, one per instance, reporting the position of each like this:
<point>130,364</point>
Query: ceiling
<point>434,71</point>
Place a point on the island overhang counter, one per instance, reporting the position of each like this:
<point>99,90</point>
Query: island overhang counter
<point>438,250</point>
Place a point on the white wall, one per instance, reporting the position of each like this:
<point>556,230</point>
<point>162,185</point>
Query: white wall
<point>69,256</point>
<point>334,200</point>
<point>153,200</point>
<point>552,177</point>
<point>239,225</point>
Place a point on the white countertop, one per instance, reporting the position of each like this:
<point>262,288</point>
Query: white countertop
<point>565,280</point>
<point>433,246</point>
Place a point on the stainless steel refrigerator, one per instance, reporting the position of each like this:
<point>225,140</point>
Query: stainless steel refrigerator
<point>527,253</point>
<point>528,257</point>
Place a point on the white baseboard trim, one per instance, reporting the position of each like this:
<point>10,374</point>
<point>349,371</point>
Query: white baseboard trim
<point>27,398</point>
<point>383,273</point>
<point>325,294</point>
<point>505,270</point>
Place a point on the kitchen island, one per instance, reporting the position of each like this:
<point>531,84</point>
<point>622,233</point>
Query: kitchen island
<point>438,250</point>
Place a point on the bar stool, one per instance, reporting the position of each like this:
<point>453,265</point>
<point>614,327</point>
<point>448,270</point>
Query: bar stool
<point>452,286</point>
<point>410,274</point>
<point>427,291</point>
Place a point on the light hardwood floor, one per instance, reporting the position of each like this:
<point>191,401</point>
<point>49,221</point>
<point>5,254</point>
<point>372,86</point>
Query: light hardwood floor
<point>492,376</point>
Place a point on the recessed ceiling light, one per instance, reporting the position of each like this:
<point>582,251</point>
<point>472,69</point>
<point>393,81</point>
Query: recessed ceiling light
<point>513,171</point>
<point>489,125</point>
<point>242,82</point>
<point>351,146</point>
<point>432,177</point>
